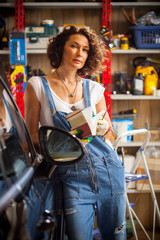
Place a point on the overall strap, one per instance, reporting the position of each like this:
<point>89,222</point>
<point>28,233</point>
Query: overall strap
<point>49,96</point>
<point>86,92</point>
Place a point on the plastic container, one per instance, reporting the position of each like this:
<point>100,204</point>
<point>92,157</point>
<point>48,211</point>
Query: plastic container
<point>129,161</point>
<point>124,43</point>
<point>150,84</point>
<point>123,125</point>
<point>138,85</point>
<point>146,36</point>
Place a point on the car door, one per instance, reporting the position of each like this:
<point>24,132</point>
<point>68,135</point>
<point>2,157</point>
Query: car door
<point>20,163</point>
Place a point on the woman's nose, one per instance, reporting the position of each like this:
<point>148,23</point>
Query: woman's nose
<point>79,52</point>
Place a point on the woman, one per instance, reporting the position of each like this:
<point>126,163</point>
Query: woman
<point>98,180</point>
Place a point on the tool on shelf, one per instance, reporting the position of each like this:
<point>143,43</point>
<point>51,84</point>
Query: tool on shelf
<point>106,36</point>
<point>146,78</point>
<point>130,111</point>
<point>130,19</point>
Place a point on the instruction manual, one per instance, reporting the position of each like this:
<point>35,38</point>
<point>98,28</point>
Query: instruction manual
<point>85,121</point>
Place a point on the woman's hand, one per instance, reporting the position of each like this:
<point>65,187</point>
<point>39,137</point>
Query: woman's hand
<point>102,127</point>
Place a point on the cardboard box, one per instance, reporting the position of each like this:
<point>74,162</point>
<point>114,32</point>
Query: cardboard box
<point>155,136</point>
<point>41,43</point>
<point>154,169</point>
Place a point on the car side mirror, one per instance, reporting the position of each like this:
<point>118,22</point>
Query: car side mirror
<point>59,146</point>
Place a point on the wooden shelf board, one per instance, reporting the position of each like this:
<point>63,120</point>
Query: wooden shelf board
<point>135,51</point>
<point>62,5</point>
<point>115,51</point>
<point>80,4</point>
<point>135,4</point>
<point>133,97</point>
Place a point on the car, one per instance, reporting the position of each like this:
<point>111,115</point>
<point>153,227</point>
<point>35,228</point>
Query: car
<point>24,172</point>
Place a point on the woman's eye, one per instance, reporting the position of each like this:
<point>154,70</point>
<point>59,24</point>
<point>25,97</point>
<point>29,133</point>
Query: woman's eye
<point>74,46</point>
<point>86,50</point>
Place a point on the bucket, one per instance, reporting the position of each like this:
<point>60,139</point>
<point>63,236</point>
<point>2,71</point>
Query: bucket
<point>123,125</point>
<point>129,161</point>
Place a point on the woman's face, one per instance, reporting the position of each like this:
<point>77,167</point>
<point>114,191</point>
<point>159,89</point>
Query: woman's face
<point>75,51</point>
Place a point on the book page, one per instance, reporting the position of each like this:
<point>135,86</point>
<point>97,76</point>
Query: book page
<point>88,113</point>
<point>81,120</point>
<point>85,121</point>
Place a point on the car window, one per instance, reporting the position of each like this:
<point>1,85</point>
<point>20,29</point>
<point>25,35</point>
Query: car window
<point>14,149</point>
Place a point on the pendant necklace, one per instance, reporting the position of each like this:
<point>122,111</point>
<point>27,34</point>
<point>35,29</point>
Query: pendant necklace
<point>70,94</point>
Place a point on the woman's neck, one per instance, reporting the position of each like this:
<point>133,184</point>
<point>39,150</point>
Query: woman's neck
<point>68,76</point>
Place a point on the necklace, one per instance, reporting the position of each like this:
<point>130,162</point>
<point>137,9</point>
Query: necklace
<point>71,94</point>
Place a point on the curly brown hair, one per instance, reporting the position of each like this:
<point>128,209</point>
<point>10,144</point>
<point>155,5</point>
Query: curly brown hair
<point>97,50</point>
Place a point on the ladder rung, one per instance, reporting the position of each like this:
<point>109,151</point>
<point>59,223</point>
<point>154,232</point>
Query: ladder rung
<point>131,177</point>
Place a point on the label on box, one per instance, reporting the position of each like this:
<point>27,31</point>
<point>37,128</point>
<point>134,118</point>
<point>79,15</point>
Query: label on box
<point>40,44</point>
<point>34,29</point>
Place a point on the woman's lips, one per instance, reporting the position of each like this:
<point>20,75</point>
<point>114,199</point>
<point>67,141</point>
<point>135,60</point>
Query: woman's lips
<point>77,61</point>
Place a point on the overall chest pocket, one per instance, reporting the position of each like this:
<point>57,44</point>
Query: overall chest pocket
<point>116,172</point>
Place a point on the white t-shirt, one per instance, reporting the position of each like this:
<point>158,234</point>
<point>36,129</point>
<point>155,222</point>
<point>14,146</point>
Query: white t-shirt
<point>96,93</point>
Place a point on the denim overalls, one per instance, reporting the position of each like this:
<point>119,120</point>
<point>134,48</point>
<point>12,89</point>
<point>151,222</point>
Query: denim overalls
<point>96,182</point>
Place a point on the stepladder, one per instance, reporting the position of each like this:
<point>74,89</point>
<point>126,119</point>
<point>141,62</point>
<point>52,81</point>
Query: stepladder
<point>133,176</point>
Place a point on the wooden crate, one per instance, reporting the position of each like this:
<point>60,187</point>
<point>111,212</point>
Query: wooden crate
<point>154,169</point>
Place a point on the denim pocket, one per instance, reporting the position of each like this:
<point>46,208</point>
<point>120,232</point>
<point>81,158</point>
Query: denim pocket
<point>116,173</point>
<point>69,178</point>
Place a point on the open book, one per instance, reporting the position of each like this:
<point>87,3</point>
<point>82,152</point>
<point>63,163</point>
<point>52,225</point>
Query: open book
<point>84,121</point>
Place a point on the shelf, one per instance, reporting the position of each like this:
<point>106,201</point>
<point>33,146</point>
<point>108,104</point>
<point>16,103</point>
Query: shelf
<point>135,4</point>
<point>7,5</point>
<point>124,116</point>
<point>28,51</point>
<point>133,97</point>
<point>36,51</point>
<point>134,190</point>
<point>135,51</point>
<point>80,4</point>
<point>4,51</point>
<point>137,144</point>
<point>115,51</point>
<point>63,5</point>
